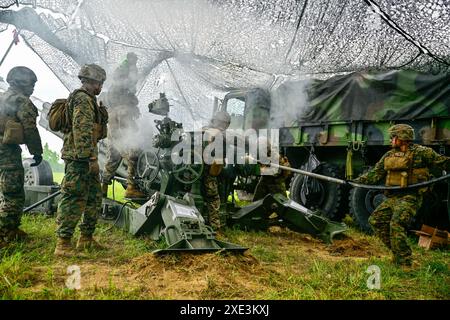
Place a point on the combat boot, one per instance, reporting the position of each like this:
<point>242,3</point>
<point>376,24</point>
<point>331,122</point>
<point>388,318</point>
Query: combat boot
<point>88,242</point>
<point>104,190</point>
<point>63,248</point>
<point>134,193</point>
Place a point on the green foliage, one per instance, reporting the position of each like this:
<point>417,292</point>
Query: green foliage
<point>53,159</point>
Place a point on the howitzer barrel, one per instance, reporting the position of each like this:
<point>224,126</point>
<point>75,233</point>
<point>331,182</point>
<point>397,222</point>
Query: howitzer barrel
<point>309,174</point>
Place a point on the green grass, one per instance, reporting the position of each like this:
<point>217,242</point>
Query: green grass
<point>278,265</point>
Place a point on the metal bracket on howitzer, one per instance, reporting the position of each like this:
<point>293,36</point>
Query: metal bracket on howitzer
<point>290,213</point>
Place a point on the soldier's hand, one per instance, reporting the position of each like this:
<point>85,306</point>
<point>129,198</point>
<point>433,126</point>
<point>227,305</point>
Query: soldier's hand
<point>93,167</point>
<point>37,160</point>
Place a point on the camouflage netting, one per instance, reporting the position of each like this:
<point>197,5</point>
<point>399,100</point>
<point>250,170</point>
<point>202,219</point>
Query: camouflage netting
<point>195,50</point>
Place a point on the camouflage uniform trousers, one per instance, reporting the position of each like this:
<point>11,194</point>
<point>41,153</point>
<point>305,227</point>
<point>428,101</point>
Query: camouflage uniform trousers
<point>210,188</point>
<point>114,157</point>
<point>12,195</point>
<point>269,185</point>
<point>81,197</point>
<point>12,198</point>
<point>390,221</point>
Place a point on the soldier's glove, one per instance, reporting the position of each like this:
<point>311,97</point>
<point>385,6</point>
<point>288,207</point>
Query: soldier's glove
<point>37,160</point>
<point>94,169</point>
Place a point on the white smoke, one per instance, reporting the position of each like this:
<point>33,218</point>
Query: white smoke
<point>288,103</point>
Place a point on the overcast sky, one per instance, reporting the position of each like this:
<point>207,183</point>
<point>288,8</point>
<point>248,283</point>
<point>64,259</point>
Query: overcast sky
<point>48,87</point>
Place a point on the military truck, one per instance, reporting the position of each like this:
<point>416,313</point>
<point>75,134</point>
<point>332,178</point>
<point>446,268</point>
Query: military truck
<point>338,127</point>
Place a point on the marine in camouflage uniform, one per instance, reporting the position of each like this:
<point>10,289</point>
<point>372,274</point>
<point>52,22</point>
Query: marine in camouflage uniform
<point>123,112</point>
<point>15,105</point>
<point>81,193</point>
<point>210,185</point>
<point>405,164</point>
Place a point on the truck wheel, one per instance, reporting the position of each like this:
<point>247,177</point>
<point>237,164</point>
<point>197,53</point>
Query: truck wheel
<point>317,194</point>
<point>41,175</point>
<point>362,203</point>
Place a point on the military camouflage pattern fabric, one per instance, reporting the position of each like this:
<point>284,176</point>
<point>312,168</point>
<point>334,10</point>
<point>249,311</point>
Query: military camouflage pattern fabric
<point>402,131</point>
<point>271,184</point>
<point>15,105</point>
<point>210,190</point>
<point>390,219</point>
<point>12,198</point>
<point>80,143</point>
<point>81,198</point>
<point>80,189</point>
<point>210,183</point>
<point>391,95</point>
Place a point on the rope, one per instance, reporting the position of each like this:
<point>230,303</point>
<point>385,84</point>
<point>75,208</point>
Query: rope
<point>376,8</point>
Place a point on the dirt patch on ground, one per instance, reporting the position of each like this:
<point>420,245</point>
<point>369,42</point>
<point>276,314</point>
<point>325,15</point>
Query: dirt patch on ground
<point>197,276</point>
<point>350,247</point>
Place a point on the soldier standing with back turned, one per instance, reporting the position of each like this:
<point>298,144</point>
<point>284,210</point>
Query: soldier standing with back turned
<point>17,126</point>
<point>210,186</point>
<point>123,112</point>
<point>405,164</point>
<point>81,194</point>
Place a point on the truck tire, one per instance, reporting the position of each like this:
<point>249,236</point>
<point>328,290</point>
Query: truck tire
<point>41,175</point>
<point>329,197</point>
<point>362,203</point>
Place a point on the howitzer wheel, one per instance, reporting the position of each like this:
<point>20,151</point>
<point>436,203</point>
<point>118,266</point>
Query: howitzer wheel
<point>328,197</point>
<point>40,175</point>
<point>187,173</point>
<point>148,166</point>
<point>362,203</point>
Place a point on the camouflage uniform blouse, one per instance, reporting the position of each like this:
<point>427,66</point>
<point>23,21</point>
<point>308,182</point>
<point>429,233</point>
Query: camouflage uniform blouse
<point>15,105</point>
<point>80,143</point>
<point>422,157</point>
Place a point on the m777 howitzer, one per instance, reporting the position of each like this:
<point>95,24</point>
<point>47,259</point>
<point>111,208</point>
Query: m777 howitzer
<point>176,208</point>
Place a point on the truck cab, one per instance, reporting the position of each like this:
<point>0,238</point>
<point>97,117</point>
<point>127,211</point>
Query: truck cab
<point>248,108</point>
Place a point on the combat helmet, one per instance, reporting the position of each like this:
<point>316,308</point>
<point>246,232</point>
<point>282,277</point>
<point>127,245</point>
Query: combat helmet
<point>92,72</point>
<point>21,77</point>
<point>221,120</point>
<point>402,131</point>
